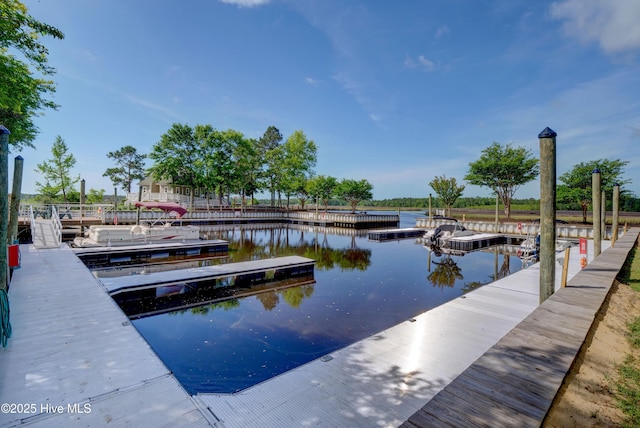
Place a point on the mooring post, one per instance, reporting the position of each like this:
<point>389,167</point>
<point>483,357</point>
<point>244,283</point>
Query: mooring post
<point>497,213</point>
<point>4,206</point>
<point>603,214</point>
<point>595,201</point>
<point>16,193</point>
<point>82,193</point>
<point>615,208</point>
<point>547,213</point>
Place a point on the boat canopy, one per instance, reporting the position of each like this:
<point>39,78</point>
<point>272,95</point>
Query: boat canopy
<point>164,206</point>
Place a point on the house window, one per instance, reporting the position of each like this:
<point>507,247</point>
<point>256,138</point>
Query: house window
<point>186,191</point>
<point>166,189</point>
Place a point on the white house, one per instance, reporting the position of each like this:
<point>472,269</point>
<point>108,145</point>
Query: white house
<point>165,191</point>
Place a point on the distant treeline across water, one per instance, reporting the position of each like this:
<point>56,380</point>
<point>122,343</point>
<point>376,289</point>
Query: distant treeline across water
<point>626,204</point>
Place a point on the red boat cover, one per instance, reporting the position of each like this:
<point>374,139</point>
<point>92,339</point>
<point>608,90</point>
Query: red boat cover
<point>164,206</point>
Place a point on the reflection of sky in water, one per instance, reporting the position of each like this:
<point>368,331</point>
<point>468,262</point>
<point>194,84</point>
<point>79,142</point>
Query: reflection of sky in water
<point>230,346</point>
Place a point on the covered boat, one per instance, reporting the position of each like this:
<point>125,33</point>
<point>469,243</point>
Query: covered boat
<point>107,235</point>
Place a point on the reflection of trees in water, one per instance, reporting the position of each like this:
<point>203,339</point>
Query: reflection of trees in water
<point>505,269</point>
<point>257,244</point>
<point>503,272</point>
<point>245,245</point>
<point>295,295</point>
<point>205,309</point>
<point>269,299</point>
<point>474,285</point>
<point>445,273</point>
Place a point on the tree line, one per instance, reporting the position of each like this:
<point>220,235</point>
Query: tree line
<point>217,163</point>
<point>503,169</point>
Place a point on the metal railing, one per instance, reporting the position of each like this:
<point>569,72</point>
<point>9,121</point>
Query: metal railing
<point>57,225</point>
<point>32,222</point>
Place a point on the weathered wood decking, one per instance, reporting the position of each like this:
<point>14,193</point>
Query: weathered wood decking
<point>515,382</point>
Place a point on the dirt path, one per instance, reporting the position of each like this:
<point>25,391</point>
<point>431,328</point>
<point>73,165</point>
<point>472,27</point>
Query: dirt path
<point>586,398</point>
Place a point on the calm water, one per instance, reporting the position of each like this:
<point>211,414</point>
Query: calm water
<point>360,289</point>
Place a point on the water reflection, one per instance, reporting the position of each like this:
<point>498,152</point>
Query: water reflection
<point>361,288</point>
<point>445,273</point>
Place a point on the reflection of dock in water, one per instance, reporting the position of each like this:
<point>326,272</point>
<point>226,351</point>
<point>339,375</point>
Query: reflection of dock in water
<point>161,292</point>
<point>164,265</point>
<point>97,257</point>
<point>148,302</point>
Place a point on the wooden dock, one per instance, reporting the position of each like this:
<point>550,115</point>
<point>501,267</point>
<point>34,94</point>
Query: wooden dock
<point>71,344</point>
<point>96,257</point>
<point>75,359</point>
<point>295,264</point>
<point>392,234</point>
<point>514,383</point>
<point>475,242</point>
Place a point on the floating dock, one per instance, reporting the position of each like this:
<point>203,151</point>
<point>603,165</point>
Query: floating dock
<point>475,242</point>
<point>251,271</point>
<point>97,257</point>
<point>390,234</point>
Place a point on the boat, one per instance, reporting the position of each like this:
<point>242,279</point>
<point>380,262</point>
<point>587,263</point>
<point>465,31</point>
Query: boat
<point>158,231</point>
<point>530,247</point>
<point>441,235</point>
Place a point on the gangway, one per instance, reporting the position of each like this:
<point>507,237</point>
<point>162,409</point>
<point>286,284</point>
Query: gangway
<point>46,233</point>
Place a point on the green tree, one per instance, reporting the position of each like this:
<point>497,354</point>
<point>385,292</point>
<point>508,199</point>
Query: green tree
<point>267,148</point>
<point>216,157</point>
<point>95,196</point>
<point>23,90</point>
<point>175,157</point>
<point>503,170</point>
<point>56,171</point>
<point>354,191</point>
<point>322,187</point>
<point>576,183</point>
<point>245,165</point>
<point>130,167</point>
<point>299,159</point>
<point>447,190</point>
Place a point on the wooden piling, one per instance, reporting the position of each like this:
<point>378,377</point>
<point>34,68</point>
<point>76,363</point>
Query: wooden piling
<point>4,206</point>
<point>565,267</point>
<point>16,193</point>
<point>615,214</point>
<point>595,201</point>
<point>547,212</point>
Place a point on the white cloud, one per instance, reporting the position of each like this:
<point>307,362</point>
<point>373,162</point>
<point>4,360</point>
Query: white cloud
<point>426,63</point>
<point>311,81</point>
<point>246,3</point>
<point>421,61</point>
<point>613,24</point>
<point>443,30</point>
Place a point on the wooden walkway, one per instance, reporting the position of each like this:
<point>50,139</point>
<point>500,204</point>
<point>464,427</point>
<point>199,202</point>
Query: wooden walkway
<point>515,382</point>
<point>72,346</point>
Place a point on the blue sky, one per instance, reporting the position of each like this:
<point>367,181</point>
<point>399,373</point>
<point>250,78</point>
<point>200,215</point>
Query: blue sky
<point>396,92</point>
